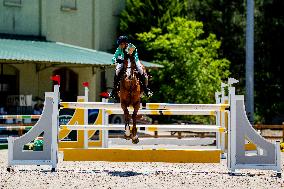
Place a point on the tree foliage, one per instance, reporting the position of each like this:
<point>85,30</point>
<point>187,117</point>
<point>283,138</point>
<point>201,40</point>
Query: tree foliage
<point>192,68</point>
<point>269,45</point>
<point>141,15</point>
<point>227,20</point>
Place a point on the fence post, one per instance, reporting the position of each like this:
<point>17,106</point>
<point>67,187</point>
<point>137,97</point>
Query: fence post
<point>156,132</point>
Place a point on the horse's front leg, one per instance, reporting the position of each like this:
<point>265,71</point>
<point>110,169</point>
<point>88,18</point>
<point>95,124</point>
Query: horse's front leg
<point>126,120</point>
<point>135,139</point>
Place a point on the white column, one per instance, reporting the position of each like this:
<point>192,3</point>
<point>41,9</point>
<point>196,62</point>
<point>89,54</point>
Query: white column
<point>232,130</point>
<point>86,118</point>
<point>218,121</point>
<point>104,122</point>
<point>223,119</point>
<point>278,156</point>
<point>55,126</point>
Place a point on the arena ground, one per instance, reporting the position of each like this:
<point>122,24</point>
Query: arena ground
<point>134,175</point>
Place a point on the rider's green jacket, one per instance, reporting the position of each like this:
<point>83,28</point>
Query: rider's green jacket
<point>120,55</point>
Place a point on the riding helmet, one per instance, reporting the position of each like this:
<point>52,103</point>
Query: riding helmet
<point>122,39</point>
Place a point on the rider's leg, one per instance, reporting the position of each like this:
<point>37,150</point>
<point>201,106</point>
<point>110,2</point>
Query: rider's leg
<point>116,82</point>
<point>144,83</point>
<point>143,79</point>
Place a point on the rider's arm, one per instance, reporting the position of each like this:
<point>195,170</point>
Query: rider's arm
<point>136,56</point>
<point>116,54</point>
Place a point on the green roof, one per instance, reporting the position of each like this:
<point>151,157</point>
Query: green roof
<point>54,52</point>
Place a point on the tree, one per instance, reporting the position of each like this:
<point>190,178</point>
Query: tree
<point>227,20</point>
<point>192,69</point>
<point>269,45</point>
<point>141,15</point>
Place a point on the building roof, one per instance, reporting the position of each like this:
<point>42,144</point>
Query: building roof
<point>54,52</point>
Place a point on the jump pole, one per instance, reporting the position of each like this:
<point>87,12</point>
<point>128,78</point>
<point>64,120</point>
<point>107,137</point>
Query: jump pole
<point>145,155</point>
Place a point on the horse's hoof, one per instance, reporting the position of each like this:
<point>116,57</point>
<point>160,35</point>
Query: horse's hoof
<point>127,137</point>
<point>135,141</point>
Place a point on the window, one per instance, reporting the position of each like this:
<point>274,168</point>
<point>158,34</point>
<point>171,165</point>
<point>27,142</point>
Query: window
<point>68,84</point>
<point>14,3</point>
<point>68,5</point>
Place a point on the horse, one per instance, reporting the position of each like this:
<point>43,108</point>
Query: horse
<point>130,91</point>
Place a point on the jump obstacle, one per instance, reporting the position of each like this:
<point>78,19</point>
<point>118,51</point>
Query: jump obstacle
<point>221,142</point>
<point>239,131</point>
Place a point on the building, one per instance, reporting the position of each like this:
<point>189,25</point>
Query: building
<point>66,37</point>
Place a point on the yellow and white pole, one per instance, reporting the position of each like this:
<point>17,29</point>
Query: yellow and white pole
<point>86,115</point>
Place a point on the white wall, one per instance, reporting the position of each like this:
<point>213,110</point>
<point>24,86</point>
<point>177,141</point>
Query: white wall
<point>106,22</point>
<point>92,25</point>
<point>22,19</point>
<point>37,83</point>
<point>71,27</point>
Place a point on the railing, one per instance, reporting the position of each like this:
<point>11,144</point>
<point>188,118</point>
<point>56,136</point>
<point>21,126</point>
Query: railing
<point>271,127</point>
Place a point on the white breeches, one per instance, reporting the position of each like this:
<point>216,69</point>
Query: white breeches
<point>138,66</point>
<point>118,68</point>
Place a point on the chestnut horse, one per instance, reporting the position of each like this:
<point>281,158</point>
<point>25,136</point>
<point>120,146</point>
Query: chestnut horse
<point>130,96</point>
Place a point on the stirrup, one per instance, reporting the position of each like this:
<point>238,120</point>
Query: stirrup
<point>113,94</point>
<point>149,93</point>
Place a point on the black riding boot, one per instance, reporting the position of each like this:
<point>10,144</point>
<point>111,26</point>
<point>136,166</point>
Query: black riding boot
<point>143,82</point>
<point>114,92</point>
<point>116,82</point>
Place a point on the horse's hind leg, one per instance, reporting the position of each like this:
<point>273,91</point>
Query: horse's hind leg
<point>135,139</point>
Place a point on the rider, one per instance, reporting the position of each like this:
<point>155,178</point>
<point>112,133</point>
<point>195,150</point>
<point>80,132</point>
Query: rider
<point>123,51</point>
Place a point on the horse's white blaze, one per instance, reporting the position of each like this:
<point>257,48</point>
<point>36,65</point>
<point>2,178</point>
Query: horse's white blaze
<point>128,70</point>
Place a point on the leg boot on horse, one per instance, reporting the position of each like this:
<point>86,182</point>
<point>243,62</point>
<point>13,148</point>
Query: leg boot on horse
<point>127,134</point>
<point>134,135</point>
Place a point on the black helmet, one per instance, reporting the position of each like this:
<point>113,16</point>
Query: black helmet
<point>122,39</point>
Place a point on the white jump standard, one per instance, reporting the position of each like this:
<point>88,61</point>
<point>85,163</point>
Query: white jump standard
<point>47,125</point>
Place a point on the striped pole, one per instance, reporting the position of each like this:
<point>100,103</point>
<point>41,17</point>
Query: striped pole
<point>149,106</point>
<point>193,128</point>
<point>10,127</point>
<point>164,112</point>
<point>20,116</point>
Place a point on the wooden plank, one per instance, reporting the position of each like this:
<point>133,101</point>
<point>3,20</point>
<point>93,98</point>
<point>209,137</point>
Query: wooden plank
<point>260,127</point>
<point>145,155</point>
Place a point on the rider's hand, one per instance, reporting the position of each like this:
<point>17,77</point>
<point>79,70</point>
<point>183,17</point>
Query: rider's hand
<point>131,49</point>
